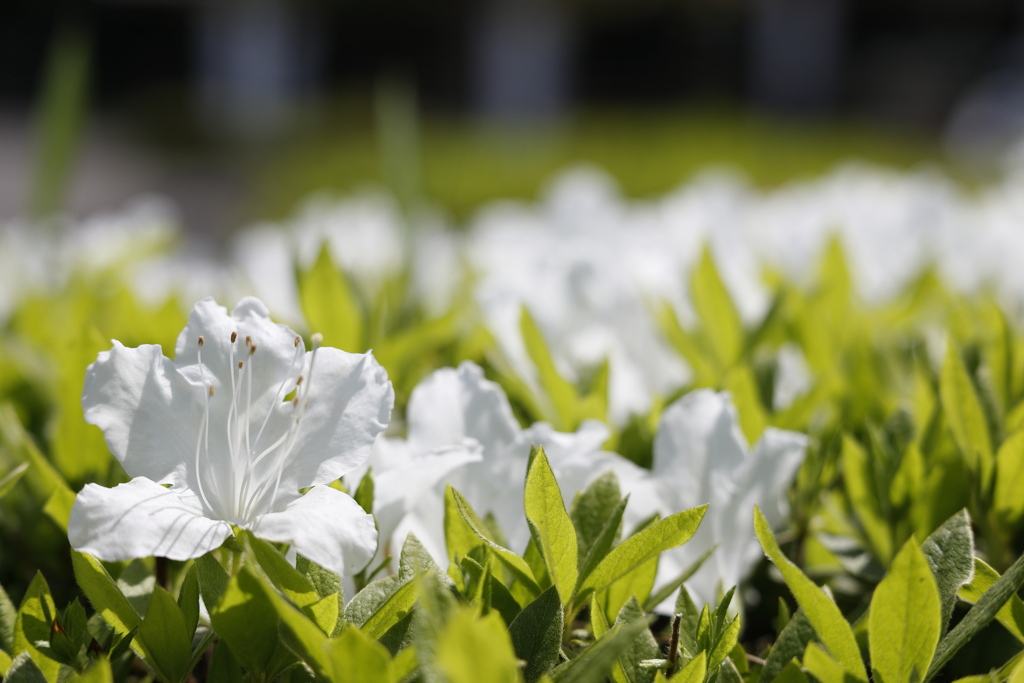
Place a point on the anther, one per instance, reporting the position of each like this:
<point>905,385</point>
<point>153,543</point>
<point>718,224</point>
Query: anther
<point>297,340</point>
<point>211,391</point>
<point>252,349</point>
<point>295,402</point>
<point>248,340</point>
<point>240,364</point>
<point>317,338</point>
<point>234,336</point>
<point>201,340</point>
<point>298,382</point>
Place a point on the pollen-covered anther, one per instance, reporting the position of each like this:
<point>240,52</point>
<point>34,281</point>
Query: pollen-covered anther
<point>298,382</point>
<point>317,339</point>
<point>252,349</point>
<point>241,363</point>
<point>234,336</point>
<point>201,340</point>
<point>298,340</point>
<point>211,391</point>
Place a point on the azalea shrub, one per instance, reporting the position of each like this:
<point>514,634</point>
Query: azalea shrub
<point>724,436</point>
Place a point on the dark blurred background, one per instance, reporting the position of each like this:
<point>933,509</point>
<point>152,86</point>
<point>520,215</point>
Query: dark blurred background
<point>235,109</point>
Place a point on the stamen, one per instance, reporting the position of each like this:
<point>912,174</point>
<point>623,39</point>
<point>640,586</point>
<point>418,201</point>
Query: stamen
<point>201,340</point>
<point>252,349</point>
<point>297,341</point>
<point>234,336</point>
<point>298,382</point>
<point>211,391</point>
<point>205,427</point>
<point>240,364</point>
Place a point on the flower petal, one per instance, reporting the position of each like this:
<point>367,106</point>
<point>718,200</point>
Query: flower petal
<point>452,404</point>
<point>398,490</point>
<point>325,525</point>
<point>698,435</point>
<point>150,414</point>
<point>349,404</point>
<point>140,519</point>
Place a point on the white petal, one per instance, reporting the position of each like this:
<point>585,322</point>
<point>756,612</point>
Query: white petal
<point>398,490</point>
<point>142,519</point>
<point>698,434</point>
<point>150,415</point>
<point>452,404</point>
<point>273,368</point>
<point>349,404</point>
<point>325,525</point>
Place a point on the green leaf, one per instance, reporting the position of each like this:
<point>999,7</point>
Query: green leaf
<point>791,673</point>
<point>553,529</point>
<point>742,385</point>
<point>330,306</point>
<point>726,642</point>
<point>950,553</point>
<point>33,625</point>
<point>594,663</point>
<point>637,584</point>
<point>643,546</point>
<point>459,536</point>
<point>166,636</point>
<point>188,600</point>
<point>694,671</point>
<point>392,611</point>
<point>592,508</point>
<point>643,646</point>
<point>364,492</point>
<point>1007,499</point>
<point>905,620</point>
<point>718,316</point>
<point>11,479</point>
<point>821,665</point>
<point>224,668</point>
<point>603,544</point>
<point>244,618</point>
<point>8,618</point>
<point>983,612</point>
<point>537,634</point>
<point>1011,614</point>
<point>561,393</point>
<point>357,658</point>
<point>860,489</point>
<point>106,598</point>
<point>23,669</point>
<point>965,415</point>
<point>472,649</point>
<point>286,578</point>
<point>821,611</point>
<point>99,672</point>
<point>517,565</point>
<point>792,643</point>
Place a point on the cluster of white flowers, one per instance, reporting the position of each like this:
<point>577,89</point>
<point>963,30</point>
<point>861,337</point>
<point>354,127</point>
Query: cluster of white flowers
<point>245,418</point>
<point>246,427</point>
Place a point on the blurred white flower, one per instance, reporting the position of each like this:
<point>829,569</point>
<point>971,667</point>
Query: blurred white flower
<point>457,413</point>
<point>229,432</point>
<point>701,456</point>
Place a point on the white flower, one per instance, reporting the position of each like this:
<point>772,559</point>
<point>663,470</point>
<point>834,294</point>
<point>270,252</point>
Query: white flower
<point>701,456</point>
<point>460,409</point>
<point>229,432</point>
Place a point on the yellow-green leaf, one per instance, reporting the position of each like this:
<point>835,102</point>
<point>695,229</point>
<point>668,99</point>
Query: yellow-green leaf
<point>330,306</point>
<point>554,531</point>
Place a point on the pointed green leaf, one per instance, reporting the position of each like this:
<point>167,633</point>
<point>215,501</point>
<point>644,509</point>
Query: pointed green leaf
<point>950,553</point>
<point>990,603</point>
<point>641,547</point>
<point>518,566</point>
<point>592,508</point>
<point>718,316</point>
<point>596,661</point>
<point>188,600</point>
<point>905,619</point>
<point>472,649</point>
<point>644,646</point>
<point>554,531</point>
<point>694,671</point>
<point>821,611</point>
<point>23,669</point>
<point>792,643</point>
<point>537,634</point>
<point>330,306</point>
<point>1011,614</point>
<point>166,636</point>
<point>34,622</point>
<point>965,414</point>
<point>561,393</point>
<point>11,479</point>
<point>1007,499</point>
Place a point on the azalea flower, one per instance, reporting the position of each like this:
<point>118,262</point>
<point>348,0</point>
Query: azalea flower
<point>458,410</point>
<point>229,433</point>
<point>701,456</point>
